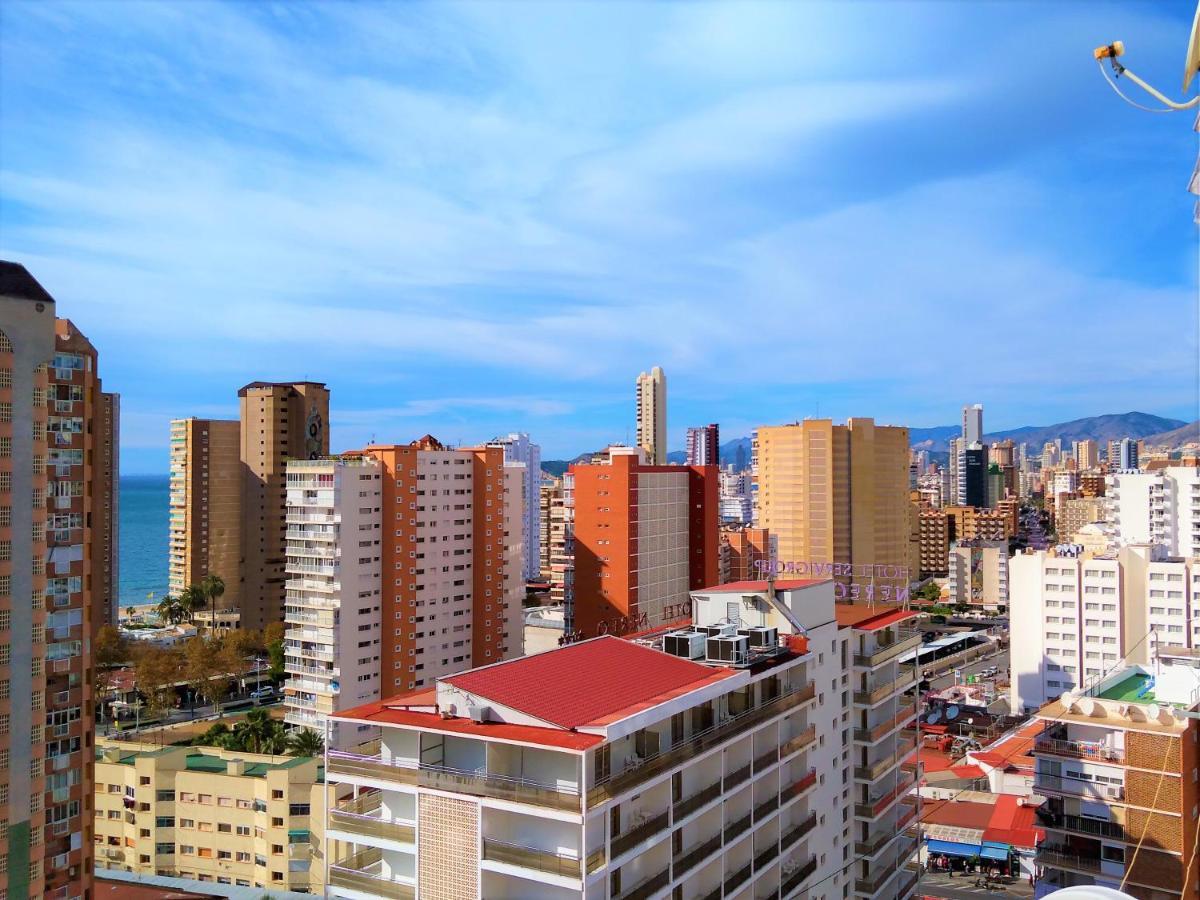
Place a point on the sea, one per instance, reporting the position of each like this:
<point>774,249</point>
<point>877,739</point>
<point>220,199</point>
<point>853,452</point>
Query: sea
<point>143,538</point>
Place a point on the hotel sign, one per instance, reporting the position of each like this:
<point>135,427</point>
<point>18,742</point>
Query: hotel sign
<point>861,572</point>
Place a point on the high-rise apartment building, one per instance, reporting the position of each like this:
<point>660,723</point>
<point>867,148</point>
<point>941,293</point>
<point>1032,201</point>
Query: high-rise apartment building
<point>1159,507</point>
<point>562,547</point>
<point>970,524</point>
<point>704,446</point>
<point>1073,513</point>
<point>745,552</point>
<point>519,449</point>
<point>936,533</point>
<point>972,424</point>
<point>206,506</point>
<point>652,415</point>
<point>978,572</point>
<point>736,497</point>
<point>551,489</point>
<point>279,421</point>
<point>57,540</point>
<point>206,814</point>
<point>644,535</point>
<point>715,770</point>
<point>1118,765</point>
<point>972,475</point>
<point>1087,454</point>
<point>835,493</point>
<point>404,564</point>
<point>1127,456</point>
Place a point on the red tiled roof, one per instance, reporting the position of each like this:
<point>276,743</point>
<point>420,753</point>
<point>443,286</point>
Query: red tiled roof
<point>749,586</point>
<point>591,682</point>
<point>870,618</point>
<point>956,813</point>
<point>933,760</point>
<point>967,771</point>
<point>1013,823</point>
<point>1015,752</point>
<point>389,713</point>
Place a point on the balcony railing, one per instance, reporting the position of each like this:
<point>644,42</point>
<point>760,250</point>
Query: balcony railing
<point>905,640</point>
<point>634,836</point>
<point>766,857</point>
<point>738,878</point>
<point>1055,784</point>
<point>696,744</point>
<point>1059,858</point>
<point>799,787</point>
<point>766,760</point>
<point>687,861</point>
<point>873,771</point>
<point>798,877</point>
<point>871,696</point>
<point>1078,750</point>
<point>765,808</point>
<point>502,787</point>
<point>354,873</point>
<point>1089,827</point>
<point>737,827</point>
<point>364,816</point>
<point>691,804</point>
<point>795,833</point>
<point>535,858</point>
<point>647,888</point>
<point>804,739</point>
<point>871,735</point>
<point>736,777</point>
<point>877,805</point>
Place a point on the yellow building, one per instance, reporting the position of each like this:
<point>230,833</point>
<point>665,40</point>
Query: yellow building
<point>212,815</point>
<point>206,505</point>
<point>836,493</point>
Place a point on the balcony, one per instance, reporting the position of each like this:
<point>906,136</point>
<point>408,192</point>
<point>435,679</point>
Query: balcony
<point>798,877</point>
<point>766,857</point>
<point>1095,828</point>
<point>532,858</point>
<point>1074,787</point>
<point>691,804</point>
<point>736,777</point>
<point>638,833</point>
<point>738,878</point>
<point>697,744</point>
<point>1054,857</point>
<point>647,888</point>
<point>873,771</point>
<point>766,808</point>
<point>876,806</point>
<point>501,787</point>
<point>1079,750</point>
<point>802,741</point>
<point>905,641</point>
<point>872,735</point>
<point>766,760</point>
<point>364,816</point>
<point>736,828</point>
<point>797,832</point>
<point>360,872</point>
<point>688,861</point>
<point>794,790</point>
<point>873,695</point>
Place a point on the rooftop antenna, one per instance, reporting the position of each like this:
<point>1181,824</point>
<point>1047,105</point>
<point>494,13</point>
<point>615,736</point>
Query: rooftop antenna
<point>1191,66</point>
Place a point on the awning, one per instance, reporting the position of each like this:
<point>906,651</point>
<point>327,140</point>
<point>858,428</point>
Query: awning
<point>994,850</point>
<point>953,848</point>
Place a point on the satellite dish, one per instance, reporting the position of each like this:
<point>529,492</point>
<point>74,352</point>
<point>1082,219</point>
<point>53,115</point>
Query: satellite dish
<point>951,712</point>
<point>1192,64</point>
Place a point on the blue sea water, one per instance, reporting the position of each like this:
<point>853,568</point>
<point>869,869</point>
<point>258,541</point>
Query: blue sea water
<point>143,537</point>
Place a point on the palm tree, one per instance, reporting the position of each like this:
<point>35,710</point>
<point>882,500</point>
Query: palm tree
<point>214,588</point>
<point>169,610</point>
<point>276,740</point>
<point>191,600</point>
<point>306,742</point>
<point>255,731</point>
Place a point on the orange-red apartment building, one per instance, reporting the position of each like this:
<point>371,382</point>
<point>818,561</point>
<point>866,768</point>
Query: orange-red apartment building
<point>745,552</point>
<point>644,537</point>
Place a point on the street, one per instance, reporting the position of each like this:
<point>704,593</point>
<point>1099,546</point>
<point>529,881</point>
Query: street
<point>999,659</point>
<point>962,887</point>
<point>175,716</point>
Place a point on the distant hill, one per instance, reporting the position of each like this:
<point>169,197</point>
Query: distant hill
<point>1157,430</point>
<point>1176,438</point>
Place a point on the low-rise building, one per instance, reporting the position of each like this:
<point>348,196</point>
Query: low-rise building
<point>211,815</point>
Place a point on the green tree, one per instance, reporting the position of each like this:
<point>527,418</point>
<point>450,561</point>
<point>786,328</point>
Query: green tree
<point>109,651</point>
<point>213,587</point>
<point>191,600</point>
<point>169,610</point>
<point>156,671</point>
<point>306,742</point>
<point>276,654</point>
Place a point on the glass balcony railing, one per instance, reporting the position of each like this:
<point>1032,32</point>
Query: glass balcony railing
<point>880,731</point>
<point>798,787</point>
<point>876,693</point>
<point>766,760</point>
<point>362,872</point>
<point>737,827</point>
<point>905,641</point>
<point>877,805</point>
<point>640,832</point>
<point>688,861</point>
<point>766,856</point>
<point>696,744</point>
<point>736,777</point>
<point>765,808</point>
<point>502,787</point>
<point>691,804</point>
<point>539,859</point>
<point>647,888</point>
<point>806,738</point>
<point>738,878</point>
<point>365,816</point>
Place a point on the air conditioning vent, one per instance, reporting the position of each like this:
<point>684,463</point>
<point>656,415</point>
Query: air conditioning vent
<point>685,644</point>
<point>761,636</point>
<point>735,649</point>
<point>479,714</point>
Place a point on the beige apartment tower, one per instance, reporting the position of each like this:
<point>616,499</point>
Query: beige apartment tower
<point>280,421</point>
<point>57,569</point>
<point>652,415</point>
<point>835,493</point>
<point>206,505</point>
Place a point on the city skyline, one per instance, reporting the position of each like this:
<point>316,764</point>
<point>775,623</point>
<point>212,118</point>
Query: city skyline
<point>481,234</point>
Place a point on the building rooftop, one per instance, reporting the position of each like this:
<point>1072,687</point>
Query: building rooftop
<point>750,587</point>
<point>1137,688</point>
<point>590,683</point>
<point>15,281</point>
<point>870,618</point>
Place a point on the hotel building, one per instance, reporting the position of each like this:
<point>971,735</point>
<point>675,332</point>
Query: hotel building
<point>652,415</point>
<point>519,449</point>
<point>703,446</point>
<point>643,535</point>
<point>216,816</point>
<point>206,506</point>
<point>745,553</point>
<point>57,572</point>
<point>279,421</point>
<point>1118,765</point>
<point>836,493</point>
<point>749,761</point>
<point>404,565</point>
<point>1160,507</point>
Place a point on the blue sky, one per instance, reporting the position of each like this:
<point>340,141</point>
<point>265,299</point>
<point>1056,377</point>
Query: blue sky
<point>471,219</point>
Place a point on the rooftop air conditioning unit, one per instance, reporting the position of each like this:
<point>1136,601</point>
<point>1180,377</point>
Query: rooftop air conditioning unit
<point>686,644</point>
<point>761,636</point>
<point>735,649</point>
<point>479,714</point>
<point>725,629</point>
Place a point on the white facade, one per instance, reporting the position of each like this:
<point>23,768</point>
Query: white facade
<point>972,424</point>
<point>737,783</point>
<point>332,606</point>
<point>1079,614</point>
<point>519,449</point>
<point>736,497</point>
<point>1160,507</point>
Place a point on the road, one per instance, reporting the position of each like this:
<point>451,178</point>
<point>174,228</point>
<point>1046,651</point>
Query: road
<point>962,887</point>
<point>184,715</point>
<point>996,659</point>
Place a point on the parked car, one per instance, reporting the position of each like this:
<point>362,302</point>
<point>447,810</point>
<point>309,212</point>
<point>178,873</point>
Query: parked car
<point>266,692</point>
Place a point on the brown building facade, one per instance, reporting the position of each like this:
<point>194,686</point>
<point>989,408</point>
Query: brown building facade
<point>742,550</point>
<point>936,534</point>
<point>279,421</point>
